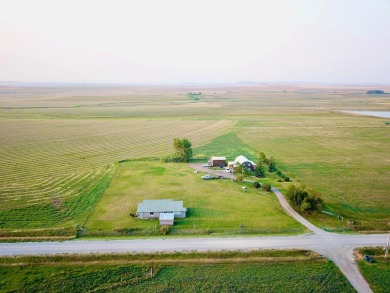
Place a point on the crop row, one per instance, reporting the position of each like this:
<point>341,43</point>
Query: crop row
<point>42,160</point>
<point>261,277</point>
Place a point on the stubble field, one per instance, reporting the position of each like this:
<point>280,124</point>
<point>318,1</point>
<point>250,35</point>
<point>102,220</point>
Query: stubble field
<point>58,144</point>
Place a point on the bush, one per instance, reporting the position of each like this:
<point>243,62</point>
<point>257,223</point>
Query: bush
<point>272,167</point>
<point>240,178</point>
<point>256,184</point>
<point>286,178</point>
<point>259,171</point>
<point>266,186</point>
<point>164,230</point>
<point>166,159</point>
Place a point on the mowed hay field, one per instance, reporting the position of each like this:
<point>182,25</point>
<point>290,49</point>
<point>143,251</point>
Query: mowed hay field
<point>214,206</point>
<point>59,146</point>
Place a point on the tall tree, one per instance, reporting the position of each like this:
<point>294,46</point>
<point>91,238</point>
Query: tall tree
<point>183,149</point>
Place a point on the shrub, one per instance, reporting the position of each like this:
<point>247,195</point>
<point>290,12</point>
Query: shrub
<point>266,186</point>
<point>272,167</point>
<point>259,171</point>
<point>240,178</point>
<point>256,184</point>
<point>164,230</point>
<point>286,178</point>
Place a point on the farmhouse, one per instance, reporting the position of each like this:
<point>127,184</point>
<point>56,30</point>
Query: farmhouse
<point>164,209</point>
<point>217,162</point>
<point>243,161</point>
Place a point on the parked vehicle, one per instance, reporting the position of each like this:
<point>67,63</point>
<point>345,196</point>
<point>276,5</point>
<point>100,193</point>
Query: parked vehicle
<point>205,165</point>
<point>369,259</point>
<point>207,177</point>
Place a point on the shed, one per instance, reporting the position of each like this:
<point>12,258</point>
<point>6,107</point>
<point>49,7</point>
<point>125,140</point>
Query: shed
<point>167,219</point>
<point>217,162</point>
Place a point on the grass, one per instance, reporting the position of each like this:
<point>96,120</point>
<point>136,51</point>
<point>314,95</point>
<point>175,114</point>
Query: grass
<point>227,145</point>
<point>345,158</point>
<point>258,271</point>
<point>55,143</point>
<point>377,274</point>
<point>214,206</point>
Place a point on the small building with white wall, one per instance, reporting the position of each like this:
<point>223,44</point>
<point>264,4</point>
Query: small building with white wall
<point>162,209</point>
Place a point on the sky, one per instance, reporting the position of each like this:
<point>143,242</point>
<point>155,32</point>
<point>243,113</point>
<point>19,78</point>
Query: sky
<point>163,42</point>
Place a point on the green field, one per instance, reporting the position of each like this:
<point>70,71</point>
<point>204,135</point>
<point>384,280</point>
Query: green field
<point>298,271</point>
<point>213,205</point>
<point>59,146</point>
<point>377,274</point>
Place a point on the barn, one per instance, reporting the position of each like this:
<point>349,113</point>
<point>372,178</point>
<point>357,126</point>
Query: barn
<point>162,209</point>
<point>219,162</point>
<point>243,161</point>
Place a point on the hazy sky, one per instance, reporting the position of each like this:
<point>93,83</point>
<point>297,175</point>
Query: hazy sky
<point>331,41</point>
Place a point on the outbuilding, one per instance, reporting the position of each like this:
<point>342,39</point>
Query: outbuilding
<point>154,208</point>
<point>167,219</point>
<point>219,162</point>
<point>243,161</point>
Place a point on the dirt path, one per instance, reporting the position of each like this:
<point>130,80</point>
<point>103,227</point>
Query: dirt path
<point>341,256</point>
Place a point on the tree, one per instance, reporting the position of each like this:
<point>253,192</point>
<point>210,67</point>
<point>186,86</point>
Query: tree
<point>183,149</point>
<point>259,171</point>
<point>238,169</point>
<point>271,165</point>
<point>262,159</point>
<point>304,200</point>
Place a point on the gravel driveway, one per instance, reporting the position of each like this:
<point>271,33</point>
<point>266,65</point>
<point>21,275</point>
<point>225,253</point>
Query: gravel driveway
<point>219,172</point>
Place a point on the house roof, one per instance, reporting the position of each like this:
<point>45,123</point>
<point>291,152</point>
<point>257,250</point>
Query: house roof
<point>218,158</point>
<point>167,216</point>
<point>242,159</point>
<point>160,205</point>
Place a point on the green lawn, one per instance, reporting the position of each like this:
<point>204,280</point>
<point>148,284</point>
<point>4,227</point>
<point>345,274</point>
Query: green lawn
<point>213,205</point>
<point>345,158</point>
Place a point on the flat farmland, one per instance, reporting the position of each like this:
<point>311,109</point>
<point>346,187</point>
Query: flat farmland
<point>60,146</point>
<point>259,271</point>
<point>213,205</point>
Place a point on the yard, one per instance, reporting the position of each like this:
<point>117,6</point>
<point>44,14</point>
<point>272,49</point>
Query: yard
<point>214,206</point>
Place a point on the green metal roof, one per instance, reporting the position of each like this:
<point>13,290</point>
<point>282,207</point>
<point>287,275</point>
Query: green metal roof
<point>160,206</point>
